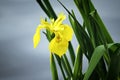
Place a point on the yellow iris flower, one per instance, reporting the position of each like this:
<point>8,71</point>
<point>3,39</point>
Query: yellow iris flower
<point>63,34</point>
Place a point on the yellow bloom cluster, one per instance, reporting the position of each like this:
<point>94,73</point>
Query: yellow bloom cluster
<point>63,34</point>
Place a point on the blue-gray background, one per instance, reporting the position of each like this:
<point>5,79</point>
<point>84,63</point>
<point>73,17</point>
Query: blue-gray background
<point>18,20</point>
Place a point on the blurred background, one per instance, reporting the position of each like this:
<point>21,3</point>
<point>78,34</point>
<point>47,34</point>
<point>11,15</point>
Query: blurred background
<point>18,21</point>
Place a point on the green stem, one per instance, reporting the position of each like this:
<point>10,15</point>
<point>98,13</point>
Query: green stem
<point>67,65</point>
<point>61,68</point>
<point>53,68</point>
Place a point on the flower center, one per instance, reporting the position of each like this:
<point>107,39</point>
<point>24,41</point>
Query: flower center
<point>58,38</point>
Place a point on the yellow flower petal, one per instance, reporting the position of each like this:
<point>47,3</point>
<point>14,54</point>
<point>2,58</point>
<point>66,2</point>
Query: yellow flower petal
<point>36,39</point>
<point>58,46</point>
<point>59,20</point>
<point>38,28</point>
<point>45,24</point>
<point>67,32</point>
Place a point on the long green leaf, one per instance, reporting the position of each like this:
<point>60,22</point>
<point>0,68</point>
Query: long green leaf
<point>50,9</point>
<point>82,37</point>
<point>97,55</point>
<point>77,71</point>
<point>44,8</point>
<point>100,22</point>
<point>114,69</point>
<point>72,53</point>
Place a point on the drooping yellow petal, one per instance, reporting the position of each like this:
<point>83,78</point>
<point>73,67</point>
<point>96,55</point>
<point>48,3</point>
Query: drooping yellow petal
<point>39,27</point>
<point>36,39</point>
<point>67,32</point>
<point>59,20</point>
<point>58,46</point>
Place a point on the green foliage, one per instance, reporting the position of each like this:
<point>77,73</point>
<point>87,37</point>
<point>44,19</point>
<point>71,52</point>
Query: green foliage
<point>95,43</point>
